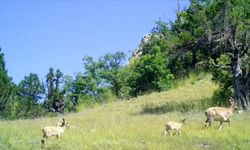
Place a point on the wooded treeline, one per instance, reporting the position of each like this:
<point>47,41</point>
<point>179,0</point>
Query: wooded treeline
<point>210,35</point>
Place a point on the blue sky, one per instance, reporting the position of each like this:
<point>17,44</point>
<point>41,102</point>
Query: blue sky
<point>37,35</point>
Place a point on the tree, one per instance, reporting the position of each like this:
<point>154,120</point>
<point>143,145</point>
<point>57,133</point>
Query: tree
<point>218,32</point>
<point>55,101</point>
<point>31,87</point>
<point>100,77</point>
<point>30,93</point>
<point>149,72</point>
<point>89,83</point>
<point>71,92</point>
<point>7,91</point>
<point>230,38</point>
<point>84,87</point>
<point>111,66</point>
<point>189,49</point>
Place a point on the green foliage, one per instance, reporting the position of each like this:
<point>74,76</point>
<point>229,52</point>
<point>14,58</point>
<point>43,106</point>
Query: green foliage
<point>101,80</point>
<point>111,71</point>
<point>221,76</point>
<point>149,73</point>
<point>231,52</point>
<point>55,91</point>
<point>84,89</point>
<point>214,35</point>
<point>224,79</point>
<point>7,92</point>
<point>30,93</point>
<point>188,51</point>
<point>31,88</point>
<point>91,78</point>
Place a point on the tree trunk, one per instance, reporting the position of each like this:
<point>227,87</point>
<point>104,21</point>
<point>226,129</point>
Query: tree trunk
<point>241,93</point>
<point>240,82</point>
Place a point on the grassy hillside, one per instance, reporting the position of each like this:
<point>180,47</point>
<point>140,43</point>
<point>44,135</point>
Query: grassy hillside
<point>137,124</point>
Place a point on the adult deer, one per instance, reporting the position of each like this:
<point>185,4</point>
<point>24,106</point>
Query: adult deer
<point>54,131</point>
<point>220,114</point>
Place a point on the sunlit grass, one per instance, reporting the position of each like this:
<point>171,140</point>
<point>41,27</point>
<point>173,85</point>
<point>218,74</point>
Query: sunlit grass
<point>125,125</point>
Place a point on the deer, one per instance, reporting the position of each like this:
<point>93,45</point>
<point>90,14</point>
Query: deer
<point>220,114</point>
<point>57,131</point>
<point>172,125</point>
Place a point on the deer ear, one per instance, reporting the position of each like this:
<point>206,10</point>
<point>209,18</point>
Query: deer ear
<point>61,120</point>
<point>184,120</point>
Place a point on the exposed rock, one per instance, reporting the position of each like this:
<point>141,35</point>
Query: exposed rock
<point>139,50</point>
<point>145,40</point>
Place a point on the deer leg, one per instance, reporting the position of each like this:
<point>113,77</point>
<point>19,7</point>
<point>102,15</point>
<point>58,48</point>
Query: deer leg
<point>208,122</point>
<point>170,133</point>
<point>45,136</point>
<point>44,139</point>
<point>179,132</point>
<point>58,137</point>
<point>43,142</point>
<point>165,132</point>
<point>176,132</point>
<point>221,122</point>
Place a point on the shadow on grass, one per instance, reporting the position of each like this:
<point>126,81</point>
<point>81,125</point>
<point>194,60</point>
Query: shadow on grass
<point>183,107</point>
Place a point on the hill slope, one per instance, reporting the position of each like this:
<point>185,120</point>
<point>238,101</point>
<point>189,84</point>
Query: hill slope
<point>137,124</point>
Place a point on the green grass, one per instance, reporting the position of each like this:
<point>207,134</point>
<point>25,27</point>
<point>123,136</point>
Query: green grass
<point>137,124</point>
